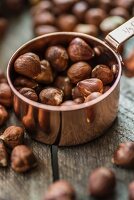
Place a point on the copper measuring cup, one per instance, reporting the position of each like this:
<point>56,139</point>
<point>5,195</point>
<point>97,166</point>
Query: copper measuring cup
<point>77,124</point>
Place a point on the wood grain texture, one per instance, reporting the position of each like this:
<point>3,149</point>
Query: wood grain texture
<point>32,185</point>
<point>76,163</point>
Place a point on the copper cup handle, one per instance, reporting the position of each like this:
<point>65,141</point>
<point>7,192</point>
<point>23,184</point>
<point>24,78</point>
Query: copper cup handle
<point>118,36</point>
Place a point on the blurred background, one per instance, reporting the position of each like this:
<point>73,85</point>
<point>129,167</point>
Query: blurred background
<point>22,20</point>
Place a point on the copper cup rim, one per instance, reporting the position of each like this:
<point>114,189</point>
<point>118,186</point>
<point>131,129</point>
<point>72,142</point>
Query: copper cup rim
<point>71,107</point>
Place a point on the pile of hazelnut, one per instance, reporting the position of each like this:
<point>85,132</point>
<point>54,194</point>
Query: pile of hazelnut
<point>101,182</point>
<point>65,76</point>
<point>11,140</point>
<point>93,17</point>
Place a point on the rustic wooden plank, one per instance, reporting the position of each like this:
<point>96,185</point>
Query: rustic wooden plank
<point>31,185</point>
<point>76,163</point>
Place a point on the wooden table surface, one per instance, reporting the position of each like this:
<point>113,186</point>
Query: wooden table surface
<point>72,163</point>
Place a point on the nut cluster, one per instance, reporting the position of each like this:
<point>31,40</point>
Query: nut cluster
<point>5,98</point>
<point>90,17</point>
<point>66,75</point>
<point>22,157</point>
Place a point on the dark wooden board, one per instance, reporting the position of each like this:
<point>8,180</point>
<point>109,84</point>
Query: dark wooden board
<point>32,185</point>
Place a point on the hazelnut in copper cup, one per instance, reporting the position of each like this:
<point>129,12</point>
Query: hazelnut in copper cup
<point>87,105</point>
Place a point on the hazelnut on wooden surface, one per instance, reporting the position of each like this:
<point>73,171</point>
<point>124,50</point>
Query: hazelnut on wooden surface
<point>79,50</point>
<point>60,190</point>
<point>51,96</point>
<point>104,73</point>
<point>66,22</point>
<point>29,93</point>
<point>13,136</point>
<point>5,95</point>
<point>101,182</point>
<point>44,29</point>
<point>124,155</point>
<point>41,7</point>
<point>89,29</point>
<point>64,83</point>
<point>79,71</point>
<point>120,11</point>
<point>44,19</point>
<point>87,86</point>
<point>3,155</point>
<point>28,65</point>
<point>3,115</point>
<point>22,159</point>
<point>3,26</point>
<point>95,16</point>
<point>79,9</point>
<point>131,191</point>
<point>22,81</point>
<point>46,75</point>
<point>58,57</point>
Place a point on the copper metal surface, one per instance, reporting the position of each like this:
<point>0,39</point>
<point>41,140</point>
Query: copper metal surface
<point>66,125</point>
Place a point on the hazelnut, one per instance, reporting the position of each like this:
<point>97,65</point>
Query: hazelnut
<point>120,11</point>
<point>3,26</point>
<point>44,19</point>
<point>66,22</point>
<point>3,115</point>
<point>14,6</point>
<point>60,190</point>
<point>2,77</point>
<point>63,6</point>
<point>13,136</point>
<point>101,182</point>
<point>95,16</point>
<point>22,81</point>
<point>29,93</point>
<point>3,155</point>
<point>106,5</point>
<point>79,50</point>
<point>131,190</point>
<point>5,95</point>
<point>63,83</point>
<point>44,29</point>
<point>124,155</point>
<point>68,103</point>
<point>79,71</point>
<point>79,100</point>
<point>87,86</point>
<point>128,5</point>
<point>51,96</point>
<point>46,75</point>
<point>79,9</point>
<point>89,29</point>
<point>111,23</point>
<point>22,159</point>
<point>76,93</point>
<point>92,96</point>
<point>104,73</point>
<point>129,64</point>
<point>58,57</point>
<point>41,7</point>
<point>28,65</point>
